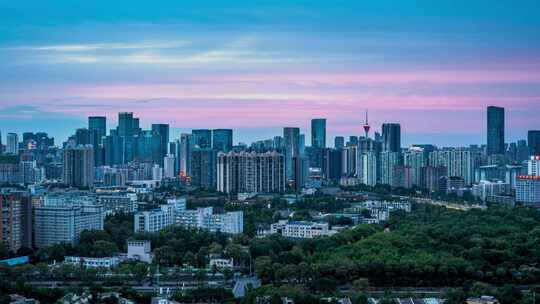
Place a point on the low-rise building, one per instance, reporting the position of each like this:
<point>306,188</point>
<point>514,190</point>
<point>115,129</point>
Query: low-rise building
<point>89,262</point>
<point>482,300</point>
<point>528,189</point>
<point>221,263</point>
<point>297,229</point>
<point>139,251</point>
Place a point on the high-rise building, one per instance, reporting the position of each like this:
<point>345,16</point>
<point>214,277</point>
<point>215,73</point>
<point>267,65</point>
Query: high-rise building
<point>458,162</point>
<point>339,142</point>
<point>533,166</point>
<point>113,147</point>
<point>318,133</point>
<point>169,166</point>
<point>222,140</point>
<point>15,221</point>
<point>98,124</point>
<point>301,172</point>
<point>369,168</point>
<point>61,218</point>
<point>250,172</point>
<point>163,131</point>
<point>184,154</point>
<point>332,164</point>
<point>495,130</point>
<point>148,147</point>
<point>203,168</point>
<point>125,124</point>
<point>291,148</point>
<point>202,138</point>
<point>533,140</point>
<point>12,144</point>
<point>82,137</point>
<point>416,159</point>
<point>431,177</point>
<point>388,161</point>
<point>391,135</point>
<point>402,177</point>
<point>528,190</point>
<point>349,161</point>
<point>79,166</point>
<point>302,144</point>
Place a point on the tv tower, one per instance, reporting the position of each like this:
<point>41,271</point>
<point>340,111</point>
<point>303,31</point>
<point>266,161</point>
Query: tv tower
<point>366,125</point>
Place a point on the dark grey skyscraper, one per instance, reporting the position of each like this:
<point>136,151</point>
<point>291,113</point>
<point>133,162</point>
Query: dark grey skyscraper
<point>391,136</point>
<point>533,140</point>
<point>98,124</point>
<point>163,131</point>
<point>291,148</point>
<point>82,136</point>
<point>125,124</point>
<point>495,130</point>
<point>202,138</point>
<point>222,140</point>
<point>339,142</point>
<point>318,133</point>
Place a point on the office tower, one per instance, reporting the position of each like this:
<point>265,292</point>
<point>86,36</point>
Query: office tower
<point>12,144</point>
<point>15,221</point>
<point>388,161</point>
<point>339,142</point>
<point>113,146</point>
<point>318,133</point>
<point>458,162</point>
<point>302,144</point>
<point>172,148</point>
<point>203,168</point>
<point>148,147</point>
<point>495,130</point>
<point>349,158</point>
<point>163,131</point>
<point>222,140</point>
<point>61,219</point>
<point>332,163</point>
<point>202,138</point>
<point>277,142</point>
<point>1,145</point>
<point>528,190</point>
<point>533,140</point>
<point>79,166</point>
<point>125,124</point>
<point>522,151</point>
<point>184,154</point>
<point>29,172</point>
<point>369,168</point>
<point>533,166</point>
<point>301,172</point>
<point>169,166</point>
<point>391,137</point>
<point>353,141</point>
<point>98,124</point>
<point>291,148</point>
<point>82,137</point>
<point>415,158</point>
<point>250,172</point>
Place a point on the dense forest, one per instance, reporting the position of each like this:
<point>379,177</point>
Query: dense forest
<point>431,246</point>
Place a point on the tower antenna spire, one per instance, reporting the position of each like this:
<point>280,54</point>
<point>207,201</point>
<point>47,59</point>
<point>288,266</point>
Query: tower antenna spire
<point>366,125</point>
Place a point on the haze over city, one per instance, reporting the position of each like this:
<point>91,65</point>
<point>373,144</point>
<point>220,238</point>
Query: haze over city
<point>258,66</point>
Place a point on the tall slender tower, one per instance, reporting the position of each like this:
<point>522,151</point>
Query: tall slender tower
<point>366,125</point>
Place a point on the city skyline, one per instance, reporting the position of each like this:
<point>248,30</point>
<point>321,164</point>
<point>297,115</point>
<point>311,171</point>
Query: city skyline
<point>255,67</point>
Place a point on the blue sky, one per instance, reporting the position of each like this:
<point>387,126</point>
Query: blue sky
<point>256,66</point>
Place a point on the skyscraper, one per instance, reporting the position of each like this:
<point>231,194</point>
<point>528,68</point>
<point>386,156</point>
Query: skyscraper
<point>291,147</point>
<point>318,133</point>
<point>202,138</point>
<point>391,136</point>
<point>533,140</point>
<point>495,130</point>
<point>339,142</point>
<point>12,143</point>
<point>222,140</point>
<point>163,131</point>
<point>184,154</point>
<point>125,124</point>
<point>98,124</point>
<point>79,166</point>
<point>203,168</point>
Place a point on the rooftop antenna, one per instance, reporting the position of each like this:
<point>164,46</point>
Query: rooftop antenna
<point>366,125</point>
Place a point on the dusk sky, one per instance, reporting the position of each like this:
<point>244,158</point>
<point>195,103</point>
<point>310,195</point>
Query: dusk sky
<point>256,66</point>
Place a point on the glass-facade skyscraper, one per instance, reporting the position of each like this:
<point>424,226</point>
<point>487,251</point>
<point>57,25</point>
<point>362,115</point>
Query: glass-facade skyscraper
<point>202,138</point>
<point>291,148</point>
<point>222,140</point>
<point>495,130</point>
<point>318,133</point>
<point>533,140</point>
<point>391,134</point>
